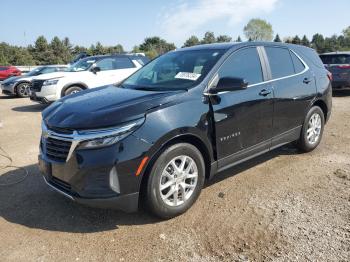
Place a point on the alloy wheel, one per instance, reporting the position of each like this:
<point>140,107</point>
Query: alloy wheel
<point>178,180</point>
<point>314,129</point>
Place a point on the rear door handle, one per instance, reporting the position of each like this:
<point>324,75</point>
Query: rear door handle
<point>306,80</point>
<point>265,92</point>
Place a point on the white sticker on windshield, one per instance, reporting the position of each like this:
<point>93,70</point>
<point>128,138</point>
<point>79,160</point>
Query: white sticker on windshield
<point>187,76</point>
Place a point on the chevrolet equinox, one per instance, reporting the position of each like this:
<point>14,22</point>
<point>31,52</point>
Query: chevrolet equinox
<point>156,137</point>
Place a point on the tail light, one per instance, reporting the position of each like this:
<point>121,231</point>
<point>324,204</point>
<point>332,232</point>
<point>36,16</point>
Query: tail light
<point>344,66</point>
<point>330,76</point>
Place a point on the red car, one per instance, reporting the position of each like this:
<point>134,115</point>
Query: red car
<point>8,71</point>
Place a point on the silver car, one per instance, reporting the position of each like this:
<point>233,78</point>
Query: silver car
<point>19,85</point>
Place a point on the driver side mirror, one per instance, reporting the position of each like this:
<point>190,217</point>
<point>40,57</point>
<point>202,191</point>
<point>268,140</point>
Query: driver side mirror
<point>229,84</point>
<point>95,69</point>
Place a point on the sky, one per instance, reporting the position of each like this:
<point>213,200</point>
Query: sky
<point>114,22</point>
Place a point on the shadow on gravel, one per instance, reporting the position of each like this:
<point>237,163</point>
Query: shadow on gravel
<point>285,150</point>
<point>8,97</point>
<point>33,204</point>
<point>30,108</point>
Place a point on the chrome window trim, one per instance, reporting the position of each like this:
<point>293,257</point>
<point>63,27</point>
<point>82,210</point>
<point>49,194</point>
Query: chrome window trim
<point>306,68</point>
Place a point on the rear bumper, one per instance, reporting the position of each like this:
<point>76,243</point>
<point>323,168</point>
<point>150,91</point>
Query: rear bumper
<point>341,84</point>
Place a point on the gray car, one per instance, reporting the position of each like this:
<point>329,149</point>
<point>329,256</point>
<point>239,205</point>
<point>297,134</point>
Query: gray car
<point>19,85</point>
<point>338,63</point>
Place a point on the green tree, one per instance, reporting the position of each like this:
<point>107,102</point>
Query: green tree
<point>223,39</point>
<point>193,40</point>
<point>239,39</point>
<point>155,46</point>
<point>277,38</point>
<point>318,43</point>
<point>305,41</point>
<point>346,32</point>
<point>296,40</point>
<point>208,38</point>
<point>258,30</point>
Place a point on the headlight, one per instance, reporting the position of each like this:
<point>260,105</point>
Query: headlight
<point>50,82</point>
<point>106,137</point>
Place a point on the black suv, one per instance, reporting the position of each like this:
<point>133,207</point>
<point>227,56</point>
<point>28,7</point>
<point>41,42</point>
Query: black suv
<point>181,119</point>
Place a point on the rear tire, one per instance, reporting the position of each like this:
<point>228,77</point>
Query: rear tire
<point>72,90</point>
<point>171,190</point>
<point>312,130</point>
<point>22,90</point>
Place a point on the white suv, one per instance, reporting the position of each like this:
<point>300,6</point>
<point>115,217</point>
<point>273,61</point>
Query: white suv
<point>90,72</point>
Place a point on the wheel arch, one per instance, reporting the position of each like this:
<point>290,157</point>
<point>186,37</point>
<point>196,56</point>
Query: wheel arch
<point>323,106</point>
<point>184,138</point>
<point>78,84</point>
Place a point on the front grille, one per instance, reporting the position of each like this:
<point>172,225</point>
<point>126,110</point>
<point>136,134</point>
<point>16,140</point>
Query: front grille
<point>36,85</point>
<point>61,130</point>
<point>57,149</point>
<point>60,184</point>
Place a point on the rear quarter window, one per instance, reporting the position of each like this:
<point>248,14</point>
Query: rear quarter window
<point>311,55</point>
<point>280,61</point>
<point>298,65</point>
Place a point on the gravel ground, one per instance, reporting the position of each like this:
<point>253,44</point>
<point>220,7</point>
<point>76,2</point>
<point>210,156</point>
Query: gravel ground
<point>282,206</point>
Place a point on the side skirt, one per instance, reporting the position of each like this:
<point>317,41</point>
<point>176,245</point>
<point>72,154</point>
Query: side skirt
<point>254,151</point>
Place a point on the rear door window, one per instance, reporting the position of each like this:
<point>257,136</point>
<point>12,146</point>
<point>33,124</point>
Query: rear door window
<point>123,63</point>
<point>280,61</point>
<point>244,64</point>
<point>106,64</point>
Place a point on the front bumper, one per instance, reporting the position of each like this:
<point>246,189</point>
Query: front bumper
<point>103,177</point>
<point>46,95</point>
<point>8,89</point>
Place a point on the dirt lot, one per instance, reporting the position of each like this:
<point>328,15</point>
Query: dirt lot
<point>283,206</point>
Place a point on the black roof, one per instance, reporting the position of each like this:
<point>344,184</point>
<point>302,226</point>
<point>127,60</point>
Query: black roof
<point>114,55</point>
<point>227,46</point>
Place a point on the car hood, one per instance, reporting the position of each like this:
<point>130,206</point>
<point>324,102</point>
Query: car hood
<point>104,107</point>
<point>53,75</point>
<point>15,79</point>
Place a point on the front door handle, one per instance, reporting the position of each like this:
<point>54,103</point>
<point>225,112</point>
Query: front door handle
<point>306,80</point>
<point>265,92</point>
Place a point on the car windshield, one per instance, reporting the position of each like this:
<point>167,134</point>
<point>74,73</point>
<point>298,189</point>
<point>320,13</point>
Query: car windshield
<point>175,70</point>
<point>81,65</point>
<point>335,59</point>
<point>35,71</point>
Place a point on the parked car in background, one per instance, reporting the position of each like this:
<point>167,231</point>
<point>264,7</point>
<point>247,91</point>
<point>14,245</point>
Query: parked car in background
<point>89,72</point>
<point>19,85</point>
<point>181,119</point>
<point>338,63</point>
<point>79,57</point>
<point>8,71</point>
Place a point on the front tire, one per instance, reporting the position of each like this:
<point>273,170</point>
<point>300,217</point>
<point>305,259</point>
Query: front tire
<point>72,90</point>
<point>175,180</point>
<point>22,90</point>
<point>312,130</point>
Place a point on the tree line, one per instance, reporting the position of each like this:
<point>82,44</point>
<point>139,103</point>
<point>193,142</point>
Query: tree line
<point>62,51</point>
